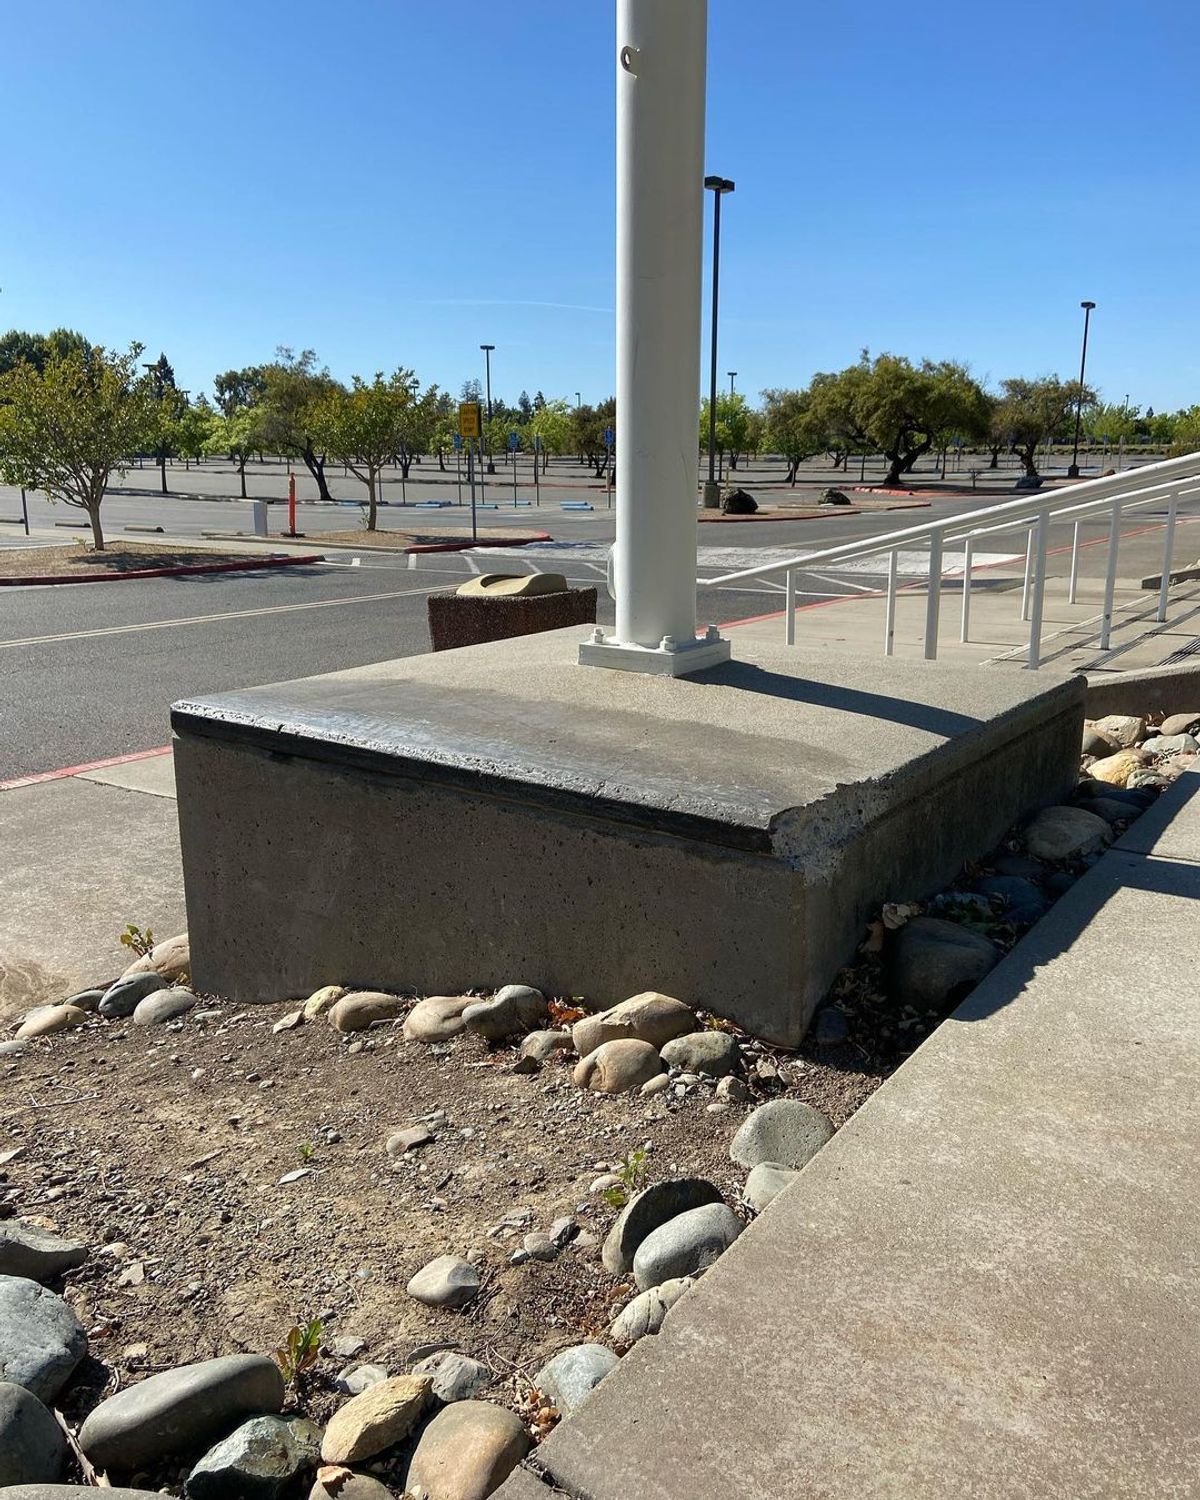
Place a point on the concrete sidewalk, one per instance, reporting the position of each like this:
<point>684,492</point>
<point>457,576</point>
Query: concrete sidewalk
<point>986,1284</point>
<point>85,855</point>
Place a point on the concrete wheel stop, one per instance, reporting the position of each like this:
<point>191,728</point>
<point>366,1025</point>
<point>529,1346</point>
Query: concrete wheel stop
<point>500,812</point>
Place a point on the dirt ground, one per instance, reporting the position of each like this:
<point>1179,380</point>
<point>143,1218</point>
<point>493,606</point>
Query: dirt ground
<point>78,559</point>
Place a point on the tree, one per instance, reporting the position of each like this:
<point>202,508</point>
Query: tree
<point>67,427</point>
<point>420,423</point>
<point>552,427</point>
<point>1185,436</point>
<point>37,348</point>
<point>364,427</point>
<point>591,422</point>
<point>168,408</point>
<point>793,428</point>
<point>293,388</point>
<point>194,428</point>
<point>1031,411</point>
<point>733,425</point>
<point>236,389</point>
<point>237,435</point>
<point>1109,424</point>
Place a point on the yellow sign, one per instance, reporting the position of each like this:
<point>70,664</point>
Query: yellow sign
<point>469,420</point>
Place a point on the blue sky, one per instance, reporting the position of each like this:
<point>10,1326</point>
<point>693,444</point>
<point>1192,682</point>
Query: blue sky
<point>394,182</point>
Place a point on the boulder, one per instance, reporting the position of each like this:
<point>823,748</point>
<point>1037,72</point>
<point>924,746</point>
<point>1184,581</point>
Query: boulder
<point>648,1211</point>
<point>1066,833</point>
<point>382,1415</point>
<point>1172,744</point>
<point>1117,769</point>
<point>363,1008</point>
<point>1180,724</point>
<point>1124,730</point>
<point>437,1018</point>
<point>542,1045</point>
<point>88,1000</point>
<point>121,999</point>
<point>32,1446</point>
<point>766,1182</point>
<point>936,963</point>
<point>41,1339</point>
<point>617,1067</point>
<point>714,1053</point>
<point>574,1373</point>
<point>646,1312</point>
<point>45,1020</point>
<point>257,1461</point>
<point>355,1379</point>
<point>177,1410</point>
<point>834,497</point>
<point>170,960</point>
<point>1095,743</point>
<point>1109,809</point>
<point>445,1281</point>
<point>685,1245</point>
<point>36,1254</point>
<point>648,1017</point>
<point>514,1009</point>
<point>739,503</point>
<point>1024,901</point>
<point>321,1001</point>
<point>164,1005</point>
<point>466,1452</point>
<point>786,1131</point>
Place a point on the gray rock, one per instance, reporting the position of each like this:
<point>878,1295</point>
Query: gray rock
<point>1124,730</point>
<point>12,1049</point>
<point>1024,900</point>
<point>542,1045</point>
<point>648,1017</point>
<point>513,1009</point>
<point>32,1446</point>
<point>685,1245</point>
<point>830,1027</point>
<point>1146,778</point>
<point>1179,724</point>
<point>41,1339</point>
<point>646,1312</point>
<point>1091,788</point>
<point>356,1487</point>
<point>1172,744</point>
<point>785,1131</point>
<point>1095,743</point>
<point>437,1018</point>
<point>258,1461</point>
<point>536,1245</point>
<point>656,1085</point>
<point>617,1067</point>
<point>574,1373</point>
<point>165,1005</point>
<point>177,1410</point>
<point>355,1379</point>
<point>766,1182</point>
<point>652,1208</point>
<point>446,1281</point>
<point>120,1000</point>
<point>1110,809</point>
<point>1065,832</point>
<point>935,963</point>
<point>456,1377</point>
<point>26,1250</point>
<point>715,1053</point>
<point>732,1089</point>
<point>88,1000</point>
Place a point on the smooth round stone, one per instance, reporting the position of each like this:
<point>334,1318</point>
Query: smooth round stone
<point>1024,900</point>
<point>542,1045</point>
<point>169,1413</point>
<point>786,1131</point>
<point>935,963</point>
<point>1018,865</point>
<point>381,1416</point>
<point>685,1245</point>
<point>1172,744</point>
<point>1124,730</point>
<point>574,1373</point>
<point>648,1017</point>
<point>659,1084</point>
<point>466,1452</point>
<point>121,999</point>
<point>1109,808</point>
<point>456,1377</point>
<point>1180,724</point>
<point>1095,743</point>
<point>648,1211</point>
<point>354,1380</point>
<point>32,1446</point>
<point>322,1001</point>
<point>258,1461</point>
<point>766,1181</point>
<point>646,1312</point>
<point>347,1486</point>
<point>512,1009</point>
<point>437,1018</point>
<point>713,1053</point>
<point>171,959</point>
<point>38,1255</point>
<point>446,1281</point>
<point>1117,769</point>
<point>13,1048</point>
<point>45,1020</point>
<point>88,1000</point>
<point>1065,833</point>
<point>165,1005</point>
<point>617,1067</point>
<point>363,1008</point>
<point>41,1339</point>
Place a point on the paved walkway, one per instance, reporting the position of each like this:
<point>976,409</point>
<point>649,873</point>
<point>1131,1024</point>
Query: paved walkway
<point>986,1285</point>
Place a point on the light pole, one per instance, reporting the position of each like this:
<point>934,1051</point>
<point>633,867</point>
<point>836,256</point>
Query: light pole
<point>732,375</point>
<point>719,186</point>
<point>1073,471</point>
<point>487,361</point>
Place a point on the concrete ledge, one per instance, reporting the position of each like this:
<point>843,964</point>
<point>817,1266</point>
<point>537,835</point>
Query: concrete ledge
<point>464,620</point>
<point>1165,690</point>
<point>986,1284</point>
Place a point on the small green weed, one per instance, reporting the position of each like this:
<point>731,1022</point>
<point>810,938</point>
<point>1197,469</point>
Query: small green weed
<point>299,1353</point>
<point>632,1172</point>
<point>141,942</point>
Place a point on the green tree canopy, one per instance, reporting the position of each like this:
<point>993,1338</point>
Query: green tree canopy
<point>293,388</point>
<point>1029,412</point>
<point>37,348</point>
<point>793,427</point>
<point>364,427</point>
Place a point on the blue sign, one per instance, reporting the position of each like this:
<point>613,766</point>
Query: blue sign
<point>458,439</point>
<point>608,437</point>
<point>514,441</point>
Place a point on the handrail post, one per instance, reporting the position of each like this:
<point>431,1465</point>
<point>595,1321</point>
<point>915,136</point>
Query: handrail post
<point>1110,576</point>
<point>1039,590</point>
<point>1168,547</point>
<point>1028,572</point>
<point>1071,591</point>
<point>934,602</point>
<point>889,627</point>
<point>964,634</point>
<point>789,631</point>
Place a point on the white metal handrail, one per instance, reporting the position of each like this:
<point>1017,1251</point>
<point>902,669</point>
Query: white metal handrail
<point>1113,495</point>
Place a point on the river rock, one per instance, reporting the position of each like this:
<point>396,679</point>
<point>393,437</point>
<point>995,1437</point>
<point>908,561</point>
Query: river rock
<point>766,1182</point>
<point>617,1067</point>
<point>467,1452</point>
<point>649,1017</point>
<point>1143,780</point>
<point>542,1045</point>
<point>830,1027</point>
<point>1065,833</point>
<point>573,1373</point>
<point>1117,769</point>
<point>1180,724</point>
<point>32,1446</point>
<point>363,1008</point>
<point>322,1001</point>
<point>41,1339</point>
<point>88,1000</point>
<point>382,1415</point>
<point>355,1379</point>
<point>336,1482</point>
<point>164,1005</point>
<point>787,1131</point>
<point>1124,730</point>
<point>685,1245</point>
<point>258,1461</point>
<point>512,1009</point>
<point>170,960</point>
<point>714,1053</point>
<point>1139,799</point>
<point>45,1020</point>
<point>26,1250</point>
<point>646,1312</point>
<point>121,999</point>
<point>1172,744</point>
<point>456,1377</point>
<point>437,1018</point>
<point>650,1209</point>
<point>935,963</point>
<point>1025,901</point>
<point>1109,809</point>
<point>1095,743</point>
<point>1019,865</point>
<point>446,1281</point>
<point>177,1410</point>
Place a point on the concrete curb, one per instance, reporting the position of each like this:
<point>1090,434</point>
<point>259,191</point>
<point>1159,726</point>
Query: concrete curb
<point>41,579</point>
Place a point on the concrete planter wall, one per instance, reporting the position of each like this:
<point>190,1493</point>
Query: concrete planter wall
<point>456,620</point>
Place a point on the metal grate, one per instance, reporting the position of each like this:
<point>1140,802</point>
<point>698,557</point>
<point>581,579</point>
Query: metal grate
<point>1191,649</point>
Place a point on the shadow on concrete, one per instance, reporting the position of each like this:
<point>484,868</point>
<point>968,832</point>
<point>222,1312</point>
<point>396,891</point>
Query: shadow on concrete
<point>751,679</point>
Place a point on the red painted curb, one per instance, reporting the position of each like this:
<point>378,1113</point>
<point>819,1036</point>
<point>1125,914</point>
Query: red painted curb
<point>91,765</point>
<point>497,541</point>
<point>187,568</point>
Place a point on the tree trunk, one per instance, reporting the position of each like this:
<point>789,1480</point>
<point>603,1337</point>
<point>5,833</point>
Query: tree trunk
<point>732,462</point>
<point>162,465</point>
<point>891,479</point>
<point>372,503</point>
<point>242,474</point>
<point>1028,457</point>
<point>995,463</point>
<point>316,467</point>
<point>792,467</point>
<point>93,511</point>
<point>442,460</point>
<point>406,459</point>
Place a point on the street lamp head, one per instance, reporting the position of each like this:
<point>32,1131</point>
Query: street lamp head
<point>719,184</point>
<point>1087,305</point>
<point>487,347</point>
